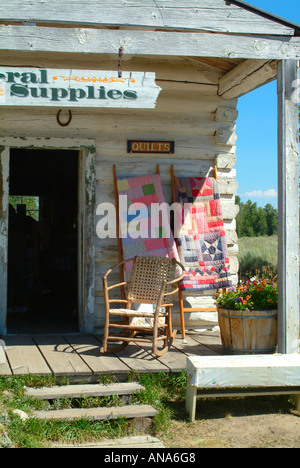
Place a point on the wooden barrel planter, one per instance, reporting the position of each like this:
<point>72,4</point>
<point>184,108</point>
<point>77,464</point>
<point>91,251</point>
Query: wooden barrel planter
<point>248,332</point>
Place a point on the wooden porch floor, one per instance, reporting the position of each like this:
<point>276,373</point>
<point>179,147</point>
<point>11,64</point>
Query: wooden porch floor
<point>78,356</point>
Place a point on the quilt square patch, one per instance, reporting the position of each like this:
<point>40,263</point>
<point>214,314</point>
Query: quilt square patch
<point>148,189</point>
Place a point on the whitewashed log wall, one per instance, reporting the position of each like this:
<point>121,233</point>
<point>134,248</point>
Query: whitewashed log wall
<point>189,111</point>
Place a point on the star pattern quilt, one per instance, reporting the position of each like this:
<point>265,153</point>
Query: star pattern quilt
<point>201,237</point>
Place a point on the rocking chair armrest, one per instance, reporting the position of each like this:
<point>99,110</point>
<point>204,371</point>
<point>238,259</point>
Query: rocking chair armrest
<point>176,280</point>
<point>159,303</point>
<point>119,301</point>
<point>116,285</point>
<point>180,277</point>
<point>172,292</point>
<point>116,266</point>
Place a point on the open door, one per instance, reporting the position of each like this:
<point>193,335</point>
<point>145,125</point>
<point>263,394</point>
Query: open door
<point>42,291</point>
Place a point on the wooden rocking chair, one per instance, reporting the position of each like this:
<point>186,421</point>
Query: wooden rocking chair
<point>152,281</point>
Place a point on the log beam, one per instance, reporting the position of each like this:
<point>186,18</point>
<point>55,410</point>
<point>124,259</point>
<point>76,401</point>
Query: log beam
<point>155,43</point>
<point>208,15</point>
<point>246,77</point>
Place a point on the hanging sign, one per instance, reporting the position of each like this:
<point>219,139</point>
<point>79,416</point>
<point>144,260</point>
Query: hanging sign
<point>77,88</point>
<point>141,146</point>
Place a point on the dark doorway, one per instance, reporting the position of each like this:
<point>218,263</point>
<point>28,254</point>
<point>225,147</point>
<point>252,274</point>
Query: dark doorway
<point>42,241</point>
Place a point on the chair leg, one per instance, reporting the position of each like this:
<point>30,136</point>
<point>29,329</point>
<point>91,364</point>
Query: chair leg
<point>154,337</point>
<point>105,337</point>
<point>114,349</point>
<point>160,352</point>
<point>105,349</point>
<point>182,319</point>
<point>171,333</point>
<point>170,336</point>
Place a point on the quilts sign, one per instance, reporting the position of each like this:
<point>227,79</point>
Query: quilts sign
<point>77,88</point>
<point>141,146</point>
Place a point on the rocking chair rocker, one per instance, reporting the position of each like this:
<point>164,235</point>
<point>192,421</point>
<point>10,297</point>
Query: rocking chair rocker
<point>152,281</point>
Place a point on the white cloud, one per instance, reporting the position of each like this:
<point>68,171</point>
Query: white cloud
<point>270,193</point>
<point>254,194</point>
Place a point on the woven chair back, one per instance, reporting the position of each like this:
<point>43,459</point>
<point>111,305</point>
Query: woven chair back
<point>146,279</point>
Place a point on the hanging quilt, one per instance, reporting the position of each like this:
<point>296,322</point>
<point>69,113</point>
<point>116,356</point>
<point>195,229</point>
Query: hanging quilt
<point>142,231</point>
<point>201,235</point>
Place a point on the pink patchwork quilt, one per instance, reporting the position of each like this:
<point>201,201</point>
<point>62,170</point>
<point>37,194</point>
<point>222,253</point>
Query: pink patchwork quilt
<point>143,230</point>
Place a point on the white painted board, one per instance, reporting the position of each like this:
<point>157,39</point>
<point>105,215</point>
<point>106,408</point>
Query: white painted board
<point>77,88</point>
<point>244,371</point>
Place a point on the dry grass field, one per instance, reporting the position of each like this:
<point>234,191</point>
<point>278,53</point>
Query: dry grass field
<point>256,253</point>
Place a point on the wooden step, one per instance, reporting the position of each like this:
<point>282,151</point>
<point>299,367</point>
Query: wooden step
<point>88,390</point>
<point>139,441</point>
<point>128,411</point>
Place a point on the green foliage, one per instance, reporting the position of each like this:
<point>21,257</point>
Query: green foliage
<point>256,221</point>
<point>32,204</point>
<point>255,294</point>
<point>162,390</point>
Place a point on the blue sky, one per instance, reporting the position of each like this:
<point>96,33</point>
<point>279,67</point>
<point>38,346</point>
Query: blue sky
<point>257,126</point>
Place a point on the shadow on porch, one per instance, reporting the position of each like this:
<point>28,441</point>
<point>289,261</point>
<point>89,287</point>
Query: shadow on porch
<point>78,356</point>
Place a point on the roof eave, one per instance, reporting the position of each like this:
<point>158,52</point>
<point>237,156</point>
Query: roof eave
<point>265,14</point>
